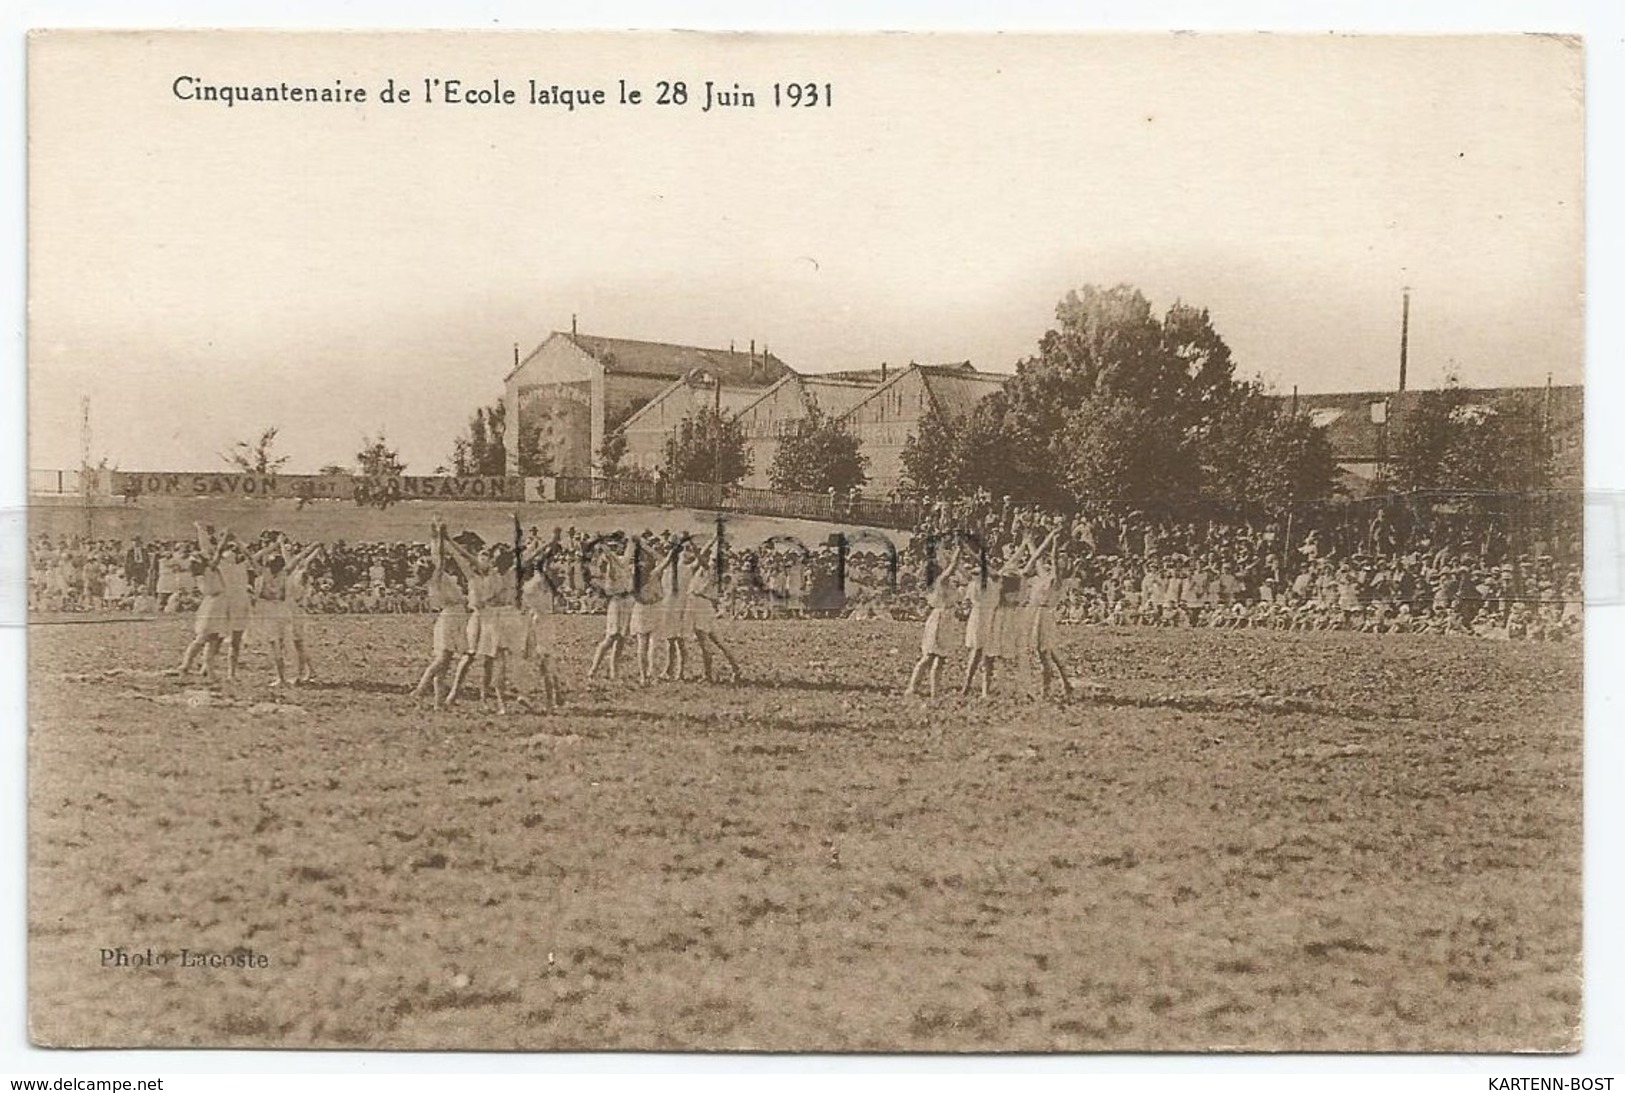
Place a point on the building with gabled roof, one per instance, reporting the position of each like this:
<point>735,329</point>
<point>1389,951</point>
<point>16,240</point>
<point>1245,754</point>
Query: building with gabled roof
<point>782,407</point>
<point>884,420</point>
<point>564,397</point>
<point>647,430</point>
<point>1362,440</point>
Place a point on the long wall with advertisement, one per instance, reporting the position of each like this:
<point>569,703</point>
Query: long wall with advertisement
<point>311,487</point>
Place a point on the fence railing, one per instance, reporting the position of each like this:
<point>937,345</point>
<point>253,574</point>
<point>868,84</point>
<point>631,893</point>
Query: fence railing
<point>47,483</point>
<point>1533,518</point>
<point>872,512</point>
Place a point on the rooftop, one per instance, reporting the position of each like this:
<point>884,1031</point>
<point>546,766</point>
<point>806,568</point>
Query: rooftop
<point>739,368</point>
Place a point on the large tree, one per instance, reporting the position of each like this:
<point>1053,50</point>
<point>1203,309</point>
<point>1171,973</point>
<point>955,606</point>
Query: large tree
<point>1114,448</point>
<point>255,456</point>
<point>1120,402</point>
<point>707,447</point>
<point>1255,449</point>
<point>819,454</point>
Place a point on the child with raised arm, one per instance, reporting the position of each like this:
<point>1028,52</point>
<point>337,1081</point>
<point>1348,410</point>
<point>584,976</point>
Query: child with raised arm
<point>704,594</point>
<point>538,599</point>
<point>484,627</point>
<point>449,600</point>
<point>939,598</point>
<point>297,565</point>
<point>1041,573</point>
<point>273,618</point>
<point>617,577</point>
<point>669,617</point>
<point>232,566</point>
<point>209,628</point>
<point>983,634</point>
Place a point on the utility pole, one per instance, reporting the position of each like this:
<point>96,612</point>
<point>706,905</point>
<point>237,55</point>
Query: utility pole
<point>1404,338</point>
<point>716,437</point>
<point>1398,407</point>
<point>84,460</point>
<point>1547,448</point>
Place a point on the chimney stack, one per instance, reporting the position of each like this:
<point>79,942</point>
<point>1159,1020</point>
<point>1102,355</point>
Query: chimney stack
<point>572,324</point>
<point>1404,337</point>
<point>882,371</point>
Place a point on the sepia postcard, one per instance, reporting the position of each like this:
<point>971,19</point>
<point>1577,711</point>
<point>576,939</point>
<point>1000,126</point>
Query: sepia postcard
<point>805,543</point>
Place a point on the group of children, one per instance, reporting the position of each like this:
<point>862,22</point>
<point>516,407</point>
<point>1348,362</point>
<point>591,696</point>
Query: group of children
<point>660,601</point>
<point>495,605</point>
<point>1012,613</point>
<point>237,589</point>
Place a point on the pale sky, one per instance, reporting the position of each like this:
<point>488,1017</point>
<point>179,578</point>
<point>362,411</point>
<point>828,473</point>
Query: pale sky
<point>202,272</point>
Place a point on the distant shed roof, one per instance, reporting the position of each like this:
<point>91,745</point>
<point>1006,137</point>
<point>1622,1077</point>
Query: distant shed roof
<point>957,388</point>
<point>736,368</point>
<point>663,360</point>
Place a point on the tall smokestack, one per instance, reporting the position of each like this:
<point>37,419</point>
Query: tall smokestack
<point>572,324</point>
<point>1404,337</point>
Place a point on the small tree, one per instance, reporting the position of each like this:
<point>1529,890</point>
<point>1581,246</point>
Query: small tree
<point>482,450</point>
<point>818,455</point>
<point>1448,440</point>
<point>707,447</point>
<point>377,459</point>
<point>610,454</point>
<point>254,457</point>
<point>931,459</point>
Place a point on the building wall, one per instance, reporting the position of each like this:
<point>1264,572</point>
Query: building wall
<point>560,417</point>
<point>884,422</point>
<point>549,385</point>
<point>649,427</point>
<point>647,430</point>
<point>625,395</point>
<point>764,422</point>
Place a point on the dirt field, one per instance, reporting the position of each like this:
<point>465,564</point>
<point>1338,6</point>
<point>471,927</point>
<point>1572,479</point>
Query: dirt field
<point>1252,841</point>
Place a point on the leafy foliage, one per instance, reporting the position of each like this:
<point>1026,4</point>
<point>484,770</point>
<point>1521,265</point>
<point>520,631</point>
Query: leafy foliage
<point>1448,439</point>
<point>707,447</point>
<point>255,456</point>
<point>1254,448</point>
<point>482,450</point>
<point>1119,449</point>
<point>610,454</point>
<point>819,454</point>
<point>931,458</point>
<point>1121,404</point>
<point>377,459</point>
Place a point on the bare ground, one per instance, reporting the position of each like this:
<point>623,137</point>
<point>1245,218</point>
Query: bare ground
<point>1252,841</point>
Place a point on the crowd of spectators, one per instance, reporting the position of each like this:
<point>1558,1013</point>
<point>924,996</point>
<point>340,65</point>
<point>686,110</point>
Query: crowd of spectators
<point>1439,566</point>
<point>1440,569</point>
